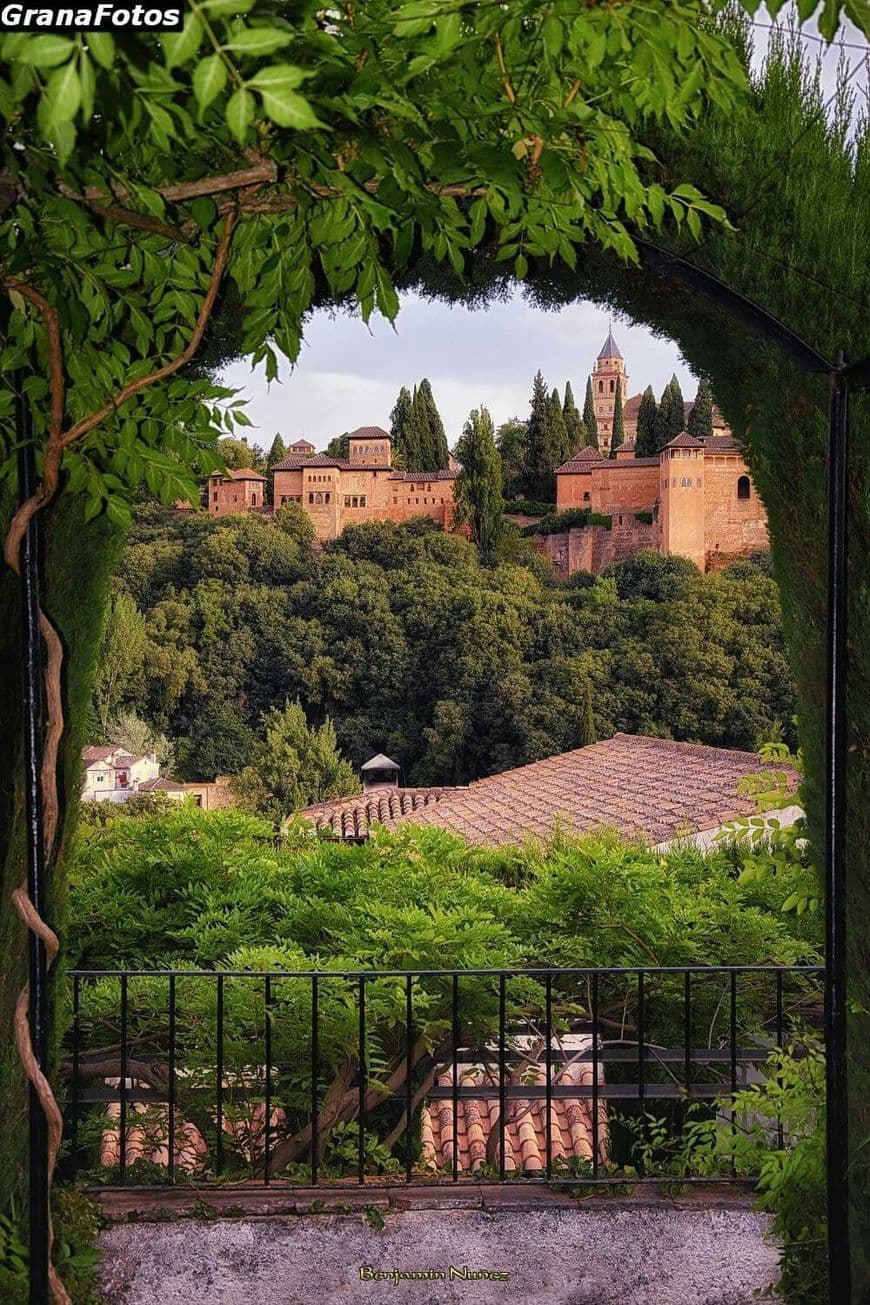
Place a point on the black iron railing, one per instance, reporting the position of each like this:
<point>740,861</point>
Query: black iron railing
<point>317,1078</point>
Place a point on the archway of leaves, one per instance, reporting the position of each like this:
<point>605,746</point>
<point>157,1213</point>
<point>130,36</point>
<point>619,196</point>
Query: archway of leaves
<point>780,416</point>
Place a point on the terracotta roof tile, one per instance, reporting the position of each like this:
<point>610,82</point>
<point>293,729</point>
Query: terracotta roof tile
<point>370,433</point>
<point>294,461</point>
<point>643,787</point>
<point>581,461</point>
<point>525,1133</point>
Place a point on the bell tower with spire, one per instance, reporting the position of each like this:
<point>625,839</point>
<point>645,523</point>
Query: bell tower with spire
<point>609,366</point>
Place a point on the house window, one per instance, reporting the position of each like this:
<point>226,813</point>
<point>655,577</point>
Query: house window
<point>327,496</point>
<point>586,497</point>
<point>347,500</point>
<point>310,498</point>
<point>743,487</point>
<point>600,387</point>
<point>362,500</point>
<point>215,496</point>
<point>235,498</point>
<point>253,500</point>
<point>612,386</point>
<point>354,501</point>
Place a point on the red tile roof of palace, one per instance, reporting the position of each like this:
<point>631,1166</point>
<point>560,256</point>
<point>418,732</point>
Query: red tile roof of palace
<point>621,463</point>
<point>161,785</point>
<point>643,787</point>
<point>242,473</point>
<point>91,755</point>
<point>684,441</point>
<point>525,1133</point>
<point>299,445</point>
<point>369,433</point>
<point>294,461</point>
<point>721,444</point>
<point>582,461</point>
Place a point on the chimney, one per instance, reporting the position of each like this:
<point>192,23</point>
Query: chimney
<point>379,772</point>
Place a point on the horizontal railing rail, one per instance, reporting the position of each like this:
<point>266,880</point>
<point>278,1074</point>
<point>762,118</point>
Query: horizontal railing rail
<point>317,1078</point>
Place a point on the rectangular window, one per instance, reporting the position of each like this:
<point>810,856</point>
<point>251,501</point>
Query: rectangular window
<point>362,501</point>
<point>347,500</point>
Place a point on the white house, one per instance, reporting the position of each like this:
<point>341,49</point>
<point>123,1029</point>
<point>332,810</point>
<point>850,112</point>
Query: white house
<point>112,774</point>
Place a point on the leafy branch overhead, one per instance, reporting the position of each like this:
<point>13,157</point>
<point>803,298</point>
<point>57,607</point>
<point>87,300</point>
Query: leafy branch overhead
<point>345,140</point>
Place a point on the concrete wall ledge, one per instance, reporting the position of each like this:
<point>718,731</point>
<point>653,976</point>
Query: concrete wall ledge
<point>494,1244</point>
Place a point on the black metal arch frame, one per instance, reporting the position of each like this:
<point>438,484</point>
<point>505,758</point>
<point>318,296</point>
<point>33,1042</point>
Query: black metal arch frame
<point>842,378</point>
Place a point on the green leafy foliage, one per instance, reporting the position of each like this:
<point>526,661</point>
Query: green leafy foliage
<point>478,490</point>
<point>293,766</point>
<point>413,648</point>
<point>646,438</point>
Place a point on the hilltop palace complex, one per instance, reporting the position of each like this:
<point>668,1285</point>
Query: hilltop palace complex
<point>694,498</point>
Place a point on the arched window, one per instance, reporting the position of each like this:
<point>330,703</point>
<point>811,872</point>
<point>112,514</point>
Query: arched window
<point>743,487</point>
<point>600,387</point>
<point>612,386</point>
<point>310,498</point>
<point>586,497</point>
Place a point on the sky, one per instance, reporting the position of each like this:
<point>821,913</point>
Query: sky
<point>349,374</point>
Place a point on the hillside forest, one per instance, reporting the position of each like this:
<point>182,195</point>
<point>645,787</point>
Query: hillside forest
<point>411,646</point>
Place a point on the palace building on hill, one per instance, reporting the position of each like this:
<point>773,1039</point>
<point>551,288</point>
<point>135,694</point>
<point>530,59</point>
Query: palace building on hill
<point>694,498</point>
<point>337,492</point>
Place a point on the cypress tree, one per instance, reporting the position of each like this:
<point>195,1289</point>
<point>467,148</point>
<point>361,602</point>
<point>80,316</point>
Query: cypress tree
<point>700,423</point>
<point>479,501</point>
<point>276,452</point>
<point>559,450</point>
<point>537,483</point>
<point>400,425</point>
<point>618,420</point>
<point>672,413</point>
<point>589,418</point>
<point>575,431</point>
<point>437,453</point>
<point>646,441</point>
<point>420,441</point>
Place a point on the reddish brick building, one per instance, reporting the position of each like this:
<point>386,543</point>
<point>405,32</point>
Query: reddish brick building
<point>695,498</point>
<point>364,486</point>
<point>237,491</point>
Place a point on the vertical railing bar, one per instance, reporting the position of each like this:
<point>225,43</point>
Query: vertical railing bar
<point>548,1020</point>
<point>74,1103</point>
<point>454,1034</point>
<point>687,1044</point>
<point>409,1073</point>
<point>170,1112</point>
<point>315,1077</point>
<point>361,1154</point>
<point>780,1132</point>
<point>123,1112</point>
<point>641,1060</point>
<point>501,1075</point>
<point>267,1030</point>
<point>595,1053</point>
<point>219,1078</point>
<point>733,1037</point>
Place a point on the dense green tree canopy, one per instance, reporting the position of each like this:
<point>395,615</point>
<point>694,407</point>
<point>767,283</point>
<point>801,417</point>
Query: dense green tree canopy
<point>575,431</point>
<point>618,436</point>
<point>646,439</point>
<point>590,421</point>
<point>413,648</point>
<point>700,423</point>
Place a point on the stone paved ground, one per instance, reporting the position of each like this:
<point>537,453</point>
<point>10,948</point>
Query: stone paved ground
<point>585,1253</point>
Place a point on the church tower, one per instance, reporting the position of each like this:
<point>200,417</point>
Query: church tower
<point>609,366</point>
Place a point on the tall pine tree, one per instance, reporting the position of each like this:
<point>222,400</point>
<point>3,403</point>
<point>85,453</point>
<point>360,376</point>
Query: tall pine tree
<point>618,436</point>
<point>700,423</point>
<point>401,428</point>
<point>646,440</point>
<point>575,431</point>
<point>589,419</point>
<point>478,487</point>
<point>672,413</point>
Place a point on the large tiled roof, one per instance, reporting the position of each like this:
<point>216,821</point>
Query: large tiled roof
<point>643,787</point>
<point>621,463</point>
<point>294,461</point>
<point>580,462</point>
<point>301,446</point>
<point>525,1133</point>
<point>91,755</point>
<point>721,444</point>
